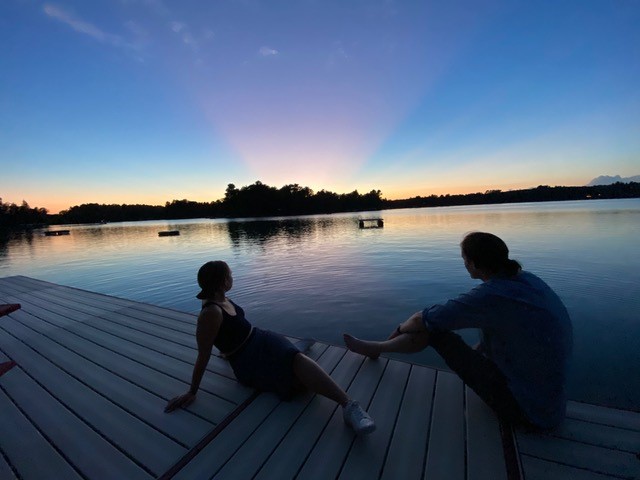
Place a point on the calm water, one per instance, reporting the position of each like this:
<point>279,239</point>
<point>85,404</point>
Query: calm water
<point>321,275</point>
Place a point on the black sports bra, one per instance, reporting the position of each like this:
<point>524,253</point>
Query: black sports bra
<point>234,329</point>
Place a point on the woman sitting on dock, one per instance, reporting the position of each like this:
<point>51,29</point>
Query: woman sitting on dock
<point>260,359</point>
<point>520,366</point>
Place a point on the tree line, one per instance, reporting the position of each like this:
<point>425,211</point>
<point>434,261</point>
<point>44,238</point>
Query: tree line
<point>260,200</point>
<point>12,215</point>
<point>541,193</point>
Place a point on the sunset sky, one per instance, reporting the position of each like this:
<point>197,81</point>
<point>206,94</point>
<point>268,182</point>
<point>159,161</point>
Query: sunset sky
<point>146,101</point>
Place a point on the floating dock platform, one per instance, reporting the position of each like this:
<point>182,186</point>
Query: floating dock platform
<point>55,233</point>
<point>88,375</point>
<point>370,223</point>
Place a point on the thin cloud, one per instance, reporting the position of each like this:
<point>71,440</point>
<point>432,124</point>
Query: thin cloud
<point>337,55</point>
<point>82,26</point>
<point>268,52</point>
<point>184,33</point>
<point>177,27</point>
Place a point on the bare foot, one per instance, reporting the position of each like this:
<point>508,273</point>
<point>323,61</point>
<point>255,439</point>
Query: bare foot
<point>361,346</point>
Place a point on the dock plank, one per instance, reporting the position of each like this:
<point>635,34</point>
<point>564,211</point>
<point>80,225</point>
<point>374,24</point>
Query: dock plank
<point>224,386</point>
<point>597,459</point>
<point>75,293</point>
<point>164,346</point>
<point>446,456</point>
<point>182,425</point>
<point>141,440</point>
<point>291,452</point>
<point>5,468</point>
<point>214,455</point>
<point>485,454</point>
<point>603,415</point>
<point>213,408</point>
<point>94,456</point>
<point>250,457</point>
<point>106,366</point>
<point>406,459</point>
<point>27,443</point>
<point>538,469</point>
<point>333,446</point>
<point>599,435</point>
<point>365,460</point>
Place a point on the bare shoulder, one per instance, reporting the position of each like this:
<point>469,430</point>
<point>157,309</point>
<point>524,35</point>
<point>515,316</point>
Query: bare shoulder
<point>210,315</point>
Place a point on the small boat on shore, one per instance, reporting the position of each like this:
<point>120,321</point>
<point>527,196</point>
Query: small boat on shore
<point>169,233</point>
<point>55,233</point>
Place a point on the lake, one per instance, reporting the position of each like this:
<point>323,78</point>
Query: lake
<point>322,275</point>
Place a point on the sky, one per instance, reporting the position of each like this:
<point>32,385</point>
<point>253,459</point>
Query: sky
<point>149,101</point>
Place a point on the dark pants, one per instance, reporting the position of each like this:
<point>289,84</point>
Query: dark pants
<point>479,373</point>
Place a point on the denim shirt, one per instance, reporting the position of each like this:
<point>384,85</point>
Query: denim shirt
<point>526,331</point>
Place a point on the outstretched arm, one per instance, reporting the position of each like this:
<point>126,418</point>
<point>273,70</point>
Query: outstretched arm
<point>208,326</point>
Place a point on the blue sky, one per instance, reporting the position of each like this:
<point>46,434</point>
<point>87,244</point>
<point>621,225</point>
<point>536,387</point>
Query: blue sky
<point>146,101</point>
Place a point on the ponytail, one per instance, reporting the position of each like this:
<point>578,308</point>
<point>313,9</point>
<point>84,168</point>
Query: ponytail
<point>489,252</point>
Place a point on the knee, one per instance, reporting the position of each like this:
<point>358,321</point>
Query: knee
<point>419,340</point>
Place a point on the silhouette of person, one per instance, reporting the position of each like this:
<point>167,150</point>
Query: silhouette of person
<point>259,358</point>
<point>520,366</point>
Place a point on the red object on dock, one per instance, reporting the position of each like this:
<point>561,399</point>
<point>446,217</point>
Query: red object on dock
<point>7,308</point>
<point>6,366</point>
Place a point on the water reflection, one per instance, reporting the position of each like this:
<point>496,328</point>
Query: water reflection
<point>322,275</point>
<point>261,232</point>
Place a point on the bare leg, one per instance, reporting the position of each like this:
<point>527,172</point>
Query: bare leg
<point>314,378</point>
<point>404,343</point>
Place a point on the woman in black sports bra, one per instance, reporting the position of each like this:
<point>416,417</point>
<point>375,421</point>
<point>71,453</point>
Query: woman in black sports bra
<point>260,359</point>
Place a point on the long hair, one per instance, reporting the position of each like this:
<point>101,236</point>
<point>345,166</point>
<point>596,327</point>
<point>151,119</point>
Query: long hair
<point>489,252</point>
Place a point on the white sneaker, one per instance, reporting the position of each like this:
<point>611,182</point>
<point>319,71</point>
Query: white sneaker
<point>357,418</point>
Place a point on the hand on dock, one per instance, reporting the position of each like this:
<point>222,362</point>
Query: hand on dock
<point>181,401</point>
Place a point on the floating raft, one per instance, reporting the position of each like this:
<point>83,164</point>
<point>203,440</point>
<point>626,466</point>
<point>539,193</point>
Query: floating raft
<point>371,223</point>
<point>169,233</point>
<point>55,233</point>
<point>91,374</point>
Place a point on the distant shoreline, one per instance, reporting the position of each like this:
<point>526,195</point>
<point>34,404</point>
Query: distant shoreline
<point>260,200</point>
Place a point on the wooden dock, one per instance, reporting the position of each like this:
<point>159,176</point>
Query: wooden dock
<point>93,373</point>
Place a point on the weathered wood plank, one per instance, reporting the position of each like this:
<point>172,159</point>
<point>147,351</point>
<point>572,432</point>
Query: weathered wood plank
<point>213,456</point>
<point>94,456</point>
<point>604,415</point>
<point>596,459</point>
<point>328,456</point>
<point>12,284</point>
<point>406,456</point>
<point>222,386</point>
<point>599,435</point>
<point>446,449</point>
<point>96,304</point>
<point>142,441</point>
<point>365,460</point>
<point>298,442</point>
<point>144,307</point>
<point>125,317</point>
<point>485,455</point>
<point>21,442</point>
<point>249,458</point>
<point>181,425</point>
<point>166,346</point>
<point>538,469</point>
<point>212,408</point>
<point>5,469</point>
